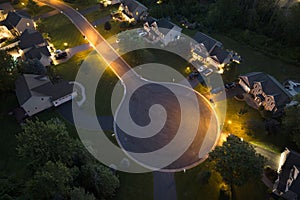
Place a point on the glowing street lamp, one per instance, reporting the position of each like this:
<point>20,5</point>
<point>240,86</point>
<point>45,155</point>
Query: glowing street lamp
<point>23,4</point>
<point>66,44</point>
<point>229,122</point>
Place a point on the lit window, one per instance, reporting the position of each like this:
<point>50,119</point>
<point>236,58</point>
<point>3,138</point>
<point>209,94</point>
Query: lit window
<point>136,13</point>
<point>28,24</point>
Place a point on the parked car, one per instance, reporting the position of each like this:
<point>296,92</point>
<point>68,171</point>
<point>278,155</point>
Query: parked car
<point>201,68</point>
<point>217,90</point>
<point>207,72</point>
<point>60,55</point>
<point>230,85</point>
<point>142,34</point>
<point>193,75</point>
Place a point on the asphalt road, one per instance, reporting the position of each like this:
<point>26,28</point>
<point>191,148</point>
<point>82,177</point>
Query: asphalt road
<point>117,64</point>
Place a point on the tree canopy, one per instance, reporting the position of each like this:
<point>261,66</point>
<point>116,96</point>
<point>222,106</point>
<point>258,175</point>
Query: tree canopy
<point>237,161</point>
<point>8,71</point>
<point>61,166</point>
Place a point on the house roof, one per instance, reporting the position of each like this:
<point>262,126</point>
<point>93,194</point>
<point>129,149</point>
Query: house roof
<point>28,85</point>
<point>30,38</point>
<point>219,54</point>
<point>56,91</point>
<point>291,163</point>
<point>25,83</point>
<point>165,25</point>
<point>133,5</point>
<point>6,7</point>
<point>270,86</point>
<point>206,40</point>
<point>12,19</point>
<point>37,52</point>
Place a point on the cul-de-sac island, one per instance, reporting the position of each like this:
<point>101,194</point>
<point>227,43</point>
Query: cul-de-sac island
<point>225,126</point>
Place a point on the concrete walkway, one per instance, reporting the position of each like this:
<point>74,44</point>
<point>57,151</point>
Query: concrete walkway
<point>164,186</point>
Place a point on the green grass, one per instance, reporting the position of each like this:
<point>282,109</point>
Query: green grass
<point>61,30</point>
<point>189,186</point>
<point>42,10</point>
<point>251,126</point>
<point>100,13</point>
<point>115,29</point>
<point>135,186</point>
<point>256,61</point>
<point>68,70</point>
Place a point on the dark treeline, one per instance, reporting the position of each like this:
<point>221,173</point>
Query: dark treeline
<point>265,25</point>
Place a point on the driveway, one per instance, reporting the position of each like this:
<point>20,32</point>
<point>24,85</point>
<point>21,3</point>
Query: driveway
<point>164,186</point>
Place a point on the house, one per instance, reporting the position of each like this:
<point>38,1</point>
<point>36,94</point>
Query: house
<point>17,22</point>
<point>266,91</point>
<point>206,49</point>
<point>133,10</point>
<point>219,57</point>
<point>36,93</point>
<point>109,2</point>
<point>4,9</point>
<point>162,30</point>
<point>287,185</point>
<point>33,45</point>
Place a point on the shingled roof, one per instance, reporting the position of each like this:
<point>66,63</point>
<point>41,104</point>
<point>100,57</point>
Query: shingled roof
<point>206,40</point>
<point>30,38</point>
<point>288,181</point>
<point>37,52</point>
<point>219,54</point>
<point>12,19</point>
<point>270,86</point>
<point>132,5</point>
<point>29,85</point>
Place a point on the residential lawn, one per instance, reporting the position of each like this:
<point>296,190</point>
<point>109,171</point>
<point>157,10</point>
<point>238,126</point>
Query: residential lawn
<point>42,10</point>
<point>115,29</point>
<point>100,13</point>
<point>256,61</point>
<point>61,30</point>
<point>189,186</point>
<point>68,70</point>
<point>251,127</point>
<point>135,186</point>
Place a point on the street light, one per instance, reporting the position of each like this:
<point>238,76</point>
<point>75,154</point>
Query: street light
<point>229,122</point>
<point>66,44</point>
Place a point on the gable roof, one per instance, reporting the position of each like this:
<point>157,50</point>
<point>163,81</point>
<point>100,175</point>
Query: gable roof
<point>219,54</point>
<point>6,7</point>
<point>133,5</point>
<point>28,85</point>
<point>25,83</point>
<point>270,86</point>
<point>164,25</point>
<point>56,91</point>
<point>206,40</point>
<point>30,38</point>
<point>37,52</point>
<point>289,169</point>
<point>12,19</point>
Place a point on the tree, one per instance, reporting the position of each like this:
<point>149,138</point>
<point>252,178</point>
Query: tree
<point>99,180</point>
<point>33,66</point>
<point>50,182</point>
<point>291,121</point>
<point>8,71</point>
<point>107,26</point>
<point>32,5</point>
<point>80,194</point>
<point>237,161</point>
<point>44,141</point>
